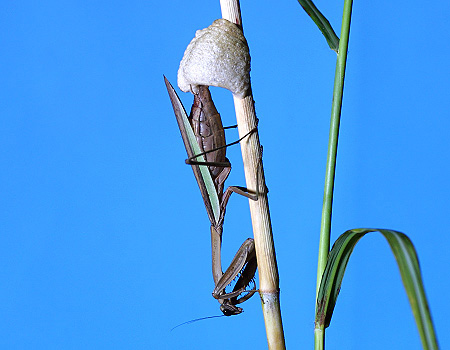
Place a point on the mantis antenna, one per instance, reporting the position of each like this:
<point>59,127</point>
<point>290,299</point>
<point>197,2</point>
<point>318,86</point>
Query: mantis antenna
<point>195,320</point>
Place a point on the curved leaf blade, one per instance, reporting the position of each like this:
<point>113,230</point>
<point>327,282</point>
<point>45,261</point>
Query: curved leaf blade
<point>408,264</point>
<point>322,23</point>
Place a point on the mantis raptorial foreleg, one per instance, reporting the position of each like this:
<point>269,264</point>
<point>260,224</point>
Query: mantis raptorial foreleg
<point>208,136</point>
<point>243,264</point>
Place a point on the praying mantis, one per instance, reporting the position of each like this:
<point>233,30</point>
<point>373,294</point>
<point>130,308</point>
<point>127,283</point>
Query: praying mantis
<point>204,139</point>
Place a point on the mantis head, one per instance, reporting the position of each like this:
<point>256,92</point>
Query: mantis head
<point>229,309</point>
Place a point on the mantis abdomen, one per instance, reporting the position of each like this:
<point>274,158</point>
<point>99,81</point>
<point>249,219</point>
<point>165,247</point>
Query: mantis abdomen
<point>208,129</point>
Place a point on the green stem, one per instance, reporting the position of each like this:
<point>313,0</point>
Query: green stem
<point>325,229</point>
<point>319,339</point>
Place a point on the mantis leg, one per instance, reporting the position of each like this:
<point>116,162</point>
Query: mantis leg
<point>243,265</point>
<point>192,161</point>
<point>239,190</point>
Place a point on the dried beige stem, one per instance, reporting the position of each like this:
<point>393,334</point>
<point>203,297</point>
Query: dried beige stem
<point>231,11</point>
<point>262,229</point>
<point>219,56</point>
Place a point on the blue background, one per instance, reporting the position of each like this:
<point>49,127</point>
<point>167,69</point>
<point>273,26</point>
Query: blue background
<point>104,240</point>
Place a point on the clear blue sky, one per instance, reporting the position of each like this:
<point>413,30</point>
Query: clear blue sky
<point>104,240</point>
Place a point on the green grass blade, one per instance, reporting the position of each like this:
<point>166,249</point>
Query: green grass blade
<point>201,172</point>
<point>408,264</point>
<point>322,23</point>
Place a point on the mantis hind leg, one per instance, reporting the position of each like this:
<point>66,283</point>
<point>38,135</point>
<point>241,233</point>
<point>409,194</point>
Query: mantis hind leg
<point>192,160</point>
<point>243,191</point>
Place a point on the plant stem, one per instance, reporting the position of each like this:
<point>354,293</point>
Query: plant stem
<point>325,229</point>
<point>259,210</point>
<point>319,339</point>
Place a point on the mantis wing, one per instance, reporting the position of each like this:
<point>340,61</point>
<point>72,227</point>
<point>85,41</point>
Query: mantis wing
<point>201,172</point>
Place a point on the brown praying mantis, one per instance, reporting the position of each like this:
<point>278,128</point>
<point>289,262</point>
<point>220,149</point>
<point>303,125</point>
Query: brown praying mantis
<point>204,139</point>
